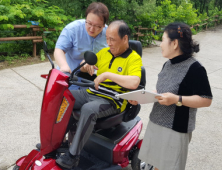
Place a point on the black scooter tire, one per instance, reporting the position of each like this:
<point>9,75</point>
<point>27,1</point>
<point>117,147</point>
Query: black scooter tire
<point>136,162</point>
<point>16,167</point>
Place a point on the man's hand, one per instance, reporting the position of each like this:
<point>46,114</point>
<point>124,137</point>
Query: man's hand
<point>89,69</point>
<point>133,102</point>
<point>101,78</point>
<point>167,99</point>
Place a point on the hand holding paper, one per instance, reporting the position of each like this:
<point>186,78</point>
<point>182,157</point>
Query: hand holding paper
<point>141,96</point>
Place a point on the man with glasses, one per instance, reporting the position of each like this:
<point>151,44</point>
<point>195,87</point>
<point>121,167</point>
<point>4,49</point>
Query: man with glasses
<point>82,35</point>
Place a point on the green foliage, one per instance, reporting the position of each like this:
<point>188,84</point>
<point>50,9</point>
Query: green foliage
<point>187,14</point>
<point>166,13</point>
<point>206,6</point>
<point>16,47</point>
<point>118,9</point>
<point>42,55</point>
<point>194,32</point>
<point>19,12</point>
<point>73,8</point>
<point>56,14</point>
<point>11,59</point>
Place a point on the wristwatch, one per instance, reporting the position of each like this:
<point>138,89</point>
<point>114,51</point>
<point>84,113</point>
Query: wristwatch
<point>179,103</point>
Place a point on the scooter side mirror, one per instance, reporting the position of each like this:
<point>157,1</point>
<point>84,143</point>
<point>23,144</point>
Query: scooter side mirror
<point>90,58</point>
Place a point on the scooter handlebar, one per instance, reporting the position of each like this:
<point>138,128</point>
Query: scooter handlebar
<point>84,83</point>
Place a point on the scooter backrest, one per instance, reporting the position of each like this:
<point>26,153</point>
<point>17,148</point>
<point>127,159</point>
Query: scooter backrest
<point>132,111</point>
<point>136,46</point>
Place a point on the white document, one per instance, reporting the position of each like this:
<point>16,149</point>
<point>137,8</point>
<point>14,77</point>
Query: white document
<point>141,96</point>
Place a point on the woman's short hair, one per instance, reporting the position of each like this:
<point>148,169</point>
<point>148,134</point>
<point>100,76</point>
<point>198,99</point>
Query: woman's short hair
<point>100,10</point>
<point>183,34</point>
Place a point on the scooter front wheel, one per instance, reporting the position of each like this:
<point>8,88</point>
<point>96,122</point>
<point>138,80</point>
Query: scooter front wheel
<point>16,167</point>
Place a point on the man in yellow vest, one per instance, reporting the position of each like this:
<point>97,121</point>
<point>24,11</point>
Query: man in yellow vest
<point>118,68</point>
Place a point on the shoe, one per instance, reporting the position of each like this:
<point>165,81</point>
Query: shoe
<point>66,161</point>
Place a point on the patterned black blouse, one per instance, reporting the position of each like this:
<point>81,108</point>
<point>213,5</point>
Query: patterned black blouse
<point>184,76</point>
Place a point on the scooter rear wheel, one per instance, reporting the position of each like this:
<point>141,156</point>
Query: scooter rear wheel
<point>136,163</point>
<point>16,167</point>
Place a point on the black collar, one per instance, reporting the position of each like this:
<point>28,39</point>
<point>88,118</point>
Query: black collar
<point>125,54</point>
<point>179,58</point>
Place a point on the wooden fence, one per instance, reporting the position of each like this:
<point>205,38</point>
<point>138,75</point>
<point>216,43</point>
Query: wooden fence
<point>216,19</point>
<point>35,39</point>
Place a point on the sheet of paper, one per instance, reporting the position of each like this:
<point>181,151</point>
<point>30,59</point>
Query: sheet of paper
<point>141,96</point>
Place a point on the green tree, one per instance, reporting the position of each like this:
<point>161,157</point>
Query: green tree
<point>218,3</point>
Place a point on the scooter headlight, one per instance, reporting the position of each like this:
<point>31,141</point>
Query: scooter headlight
<point>38,163</point>
<point>62,110</point>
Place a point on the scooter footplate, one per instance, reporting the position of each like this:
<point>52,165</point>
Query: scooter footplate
<point>90,162</point>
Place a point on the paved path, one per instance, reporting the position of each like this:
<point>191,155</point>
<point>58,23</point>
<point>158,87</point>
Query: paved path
<point>21,91</point>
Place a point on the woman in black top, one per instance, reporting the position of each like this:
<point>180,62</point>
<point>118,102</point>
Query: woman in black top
<point>184,86</point>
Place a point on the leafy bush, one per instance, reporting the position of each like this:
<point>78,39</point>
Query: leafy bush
<point>166,13</point>
<point>56,14</point>
<point>19,12</point>
<point>118,9</point>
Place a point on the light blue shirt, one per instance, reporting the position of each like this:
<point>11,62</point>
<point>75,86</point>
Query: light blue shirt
<point>74,41</point>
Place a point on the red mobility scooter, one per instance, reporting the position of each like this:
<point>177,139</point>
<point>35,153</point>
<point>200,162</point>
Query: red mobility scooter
<point>115,141</point>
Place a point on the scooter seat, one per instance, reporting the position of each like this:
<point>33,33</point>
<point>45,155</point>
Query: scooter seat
<point>104,123</point>
<point>113,120</point>
<point>107,122</point>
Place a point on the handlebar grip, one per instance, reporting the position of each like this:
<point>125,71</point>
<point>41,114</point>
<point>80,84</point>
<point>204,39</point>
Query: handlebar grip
<point>86,81</point>
<point>91,84</point>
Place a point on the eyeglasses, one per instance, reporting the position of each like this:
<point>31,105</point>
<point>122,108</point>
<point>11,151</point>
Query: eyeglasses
<point>95,26</point>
